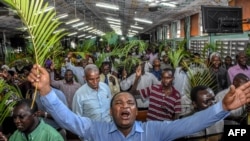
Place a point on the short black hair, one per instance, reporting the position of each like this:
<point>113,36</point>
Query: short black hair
<point>241,76</point>
<point>106,63</point>
<point>28,103</point>
<point>168,70</point>
<point>195,90</point>
<point>111,102</point>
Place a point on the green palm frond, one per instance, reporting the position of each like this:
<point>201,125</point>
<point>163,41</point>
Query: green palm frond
<point>175,56</point>
<point>116,51</point>
<point>129,63</point>
<point>139,44</point>
<point>199,74</point>
<point>57,55</point>
<point>208,48</point>
<point>9,95</point>
<point>40,24</point>
<point>110,38</point>
<point>87,46</point>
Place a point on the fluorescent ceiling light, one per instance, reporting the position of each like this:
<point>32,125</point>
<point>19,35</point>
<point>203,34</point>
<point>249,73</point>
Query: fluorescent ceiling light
<point>61,16</point>
<point>115,26</point>
<point>88,36</point>
<point>24,28</point>
<point>78,24</point>
<point>29,37</point>
<point>114,23</point>
<point>137,27</point>
<point>81,35</point>
<point>112,19</point>
<point>62,29</point>
<point>106,5</point>
<point>89,28</point>
<point>71,34</point>
<point>168,4</point>
<point>134,31</point>
<point>143,20</point>
<point>73,21</point>
<point>47,9</point>
<point>82,28</point>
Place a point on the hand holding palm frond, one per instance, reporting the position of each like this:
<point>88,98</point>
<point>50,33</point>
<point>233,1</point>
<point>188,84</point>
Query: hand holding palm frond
<point>40,25</point>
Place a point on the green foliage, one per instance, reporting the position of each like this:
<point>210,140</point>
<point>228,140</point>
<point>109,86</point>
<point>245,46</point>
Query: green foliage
<point>128,61</point>
<point>175,56</point>
<point>86,48</point>
<point>57,55</point>
<point>198,74</point>
<point>40,25</point>
<point>110,38</point>
<point>208,48</point>
<point>9,95</point>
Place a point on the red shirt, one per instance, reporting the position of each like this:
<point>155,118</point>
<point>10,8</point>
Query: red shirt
<point>161,107</point>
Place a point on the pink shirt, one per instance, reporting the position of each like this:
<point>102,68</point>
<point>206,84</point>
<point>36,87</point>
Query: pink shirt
<point>236,69</point>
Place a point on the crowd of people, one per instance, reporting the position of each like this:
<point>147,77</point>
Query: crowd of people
<point>102,103</point>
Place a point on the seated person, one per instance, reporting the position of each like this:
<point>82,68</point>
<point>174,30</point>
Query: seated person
<point>47,118</point>
<point>236,116</point>
<point>29,126</point>
<point>203,97</point>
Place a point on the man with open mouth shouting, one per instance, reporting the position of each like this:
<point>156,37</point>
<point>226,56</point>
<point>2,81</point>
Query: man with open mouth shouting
<point>124,110</point>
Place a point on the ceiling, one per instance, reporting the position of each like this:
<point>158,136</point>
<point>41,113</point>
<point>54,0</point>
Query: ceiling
<point>95,17</point>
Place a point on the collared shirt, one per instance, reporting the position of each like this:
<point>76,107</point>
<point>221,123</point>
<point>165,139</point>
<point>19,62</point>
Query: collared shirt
<point>181,82</point>
<point>78,72</point>
<point>93,103</point>
<point>142,131</point>
<point>157,73</point>
<point>67,89</point>
<point>114,88</point>
<point>43,132</point>
<point>146,80</point>
<point>161,107</point>
<point>49,121</point>
<point>236,69</point>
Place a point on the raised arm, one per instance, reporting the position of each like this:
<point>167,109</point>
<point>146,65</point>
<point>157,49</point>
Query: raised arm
<point>39,78</point>
<point>236,98</point>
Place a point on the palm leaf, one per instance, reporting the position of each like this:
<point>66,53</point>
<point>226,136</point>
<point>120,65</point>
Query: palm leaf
<point>175,56</point>
<point>110,38</point>
<point>199,74</point>
<point>9,96</point>
<point>40,26</point>
<point>87,46</point>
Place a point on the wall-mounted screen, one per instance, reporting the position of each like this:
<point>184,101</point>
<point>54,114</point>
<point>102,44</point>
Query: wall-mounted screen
<point>221,19</point>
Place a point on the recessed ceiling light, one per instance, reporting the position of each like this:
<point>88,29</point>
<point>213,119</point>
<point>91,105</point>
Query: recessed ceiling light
<point>106,5</point>
<point>143,20</point>
<point>73,21</point>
